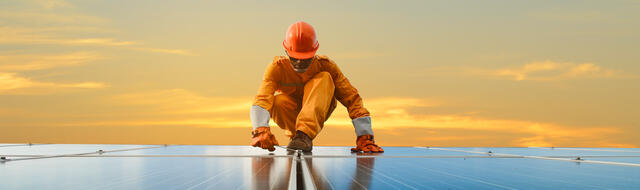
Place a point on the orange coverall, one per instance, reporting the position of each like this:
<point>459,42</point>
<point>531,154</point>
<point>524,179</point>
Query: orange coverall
<point>304,101</point>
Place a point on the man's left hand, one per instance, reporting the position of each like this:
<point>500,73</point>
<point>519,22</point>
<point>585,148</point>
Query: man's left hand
<point>365,143</point>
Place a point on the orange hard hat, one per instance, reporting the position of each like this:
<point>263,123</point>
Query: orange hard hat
<point>300,41</point>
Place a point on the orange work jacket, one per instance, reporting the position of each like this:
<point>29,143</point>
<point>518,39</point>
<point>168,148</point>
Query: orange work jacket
<point>280,77</point>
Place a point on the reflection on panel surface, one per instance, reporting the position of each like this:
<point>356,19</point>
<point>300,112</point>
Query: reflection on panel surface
<point>146,173</point>
<point>390,151</point>
<point>244,167</point>
<point>204,150</point>
<point>468,173</point>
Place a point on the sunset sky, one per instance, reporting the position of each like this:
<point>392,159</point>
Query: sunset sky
<point>432,73</point>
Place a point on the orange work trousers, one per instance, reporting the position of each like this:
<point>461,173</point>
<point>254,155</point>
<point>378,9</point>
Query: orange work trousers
<point>307,115</point>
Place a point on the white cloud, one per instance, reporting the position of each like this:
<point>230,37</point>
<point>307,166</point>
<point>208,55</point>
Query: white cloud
<point>551,70</point>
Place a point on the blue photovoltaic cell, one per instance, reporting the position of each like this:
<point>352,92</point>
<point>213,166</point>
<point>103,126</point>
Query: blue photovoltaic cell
<point>56,149</point>
<point>146,173</point>
<point>244,167</point>
<point>469,173</point>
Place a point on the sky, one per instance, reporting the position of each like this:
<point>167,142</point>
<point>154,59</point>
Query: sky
<point>432,73</point>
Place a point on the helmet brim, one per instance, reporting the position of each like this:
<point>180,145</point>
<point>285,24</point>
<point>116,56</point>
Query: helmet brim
<point>300,55</point>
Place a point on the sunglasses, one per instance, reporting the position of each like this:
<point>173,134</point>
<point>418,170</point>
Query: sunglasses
<point>299,60</point>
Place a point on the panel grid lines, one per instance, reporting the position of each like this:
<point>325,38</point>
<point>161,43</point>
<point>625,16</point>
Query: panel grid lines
<point>239,167</point>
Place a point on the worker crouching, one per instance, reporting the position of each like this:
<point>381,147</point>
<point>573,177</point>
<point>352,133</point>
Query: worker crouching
<point>299,92</point>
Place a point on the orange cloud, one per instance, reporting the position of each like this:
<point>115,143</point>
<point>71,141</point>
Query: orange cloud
<point>185,108</point>
<point>20,35</point>
<point>34,36</point>
<point>49,4</point>
<point>11,83</point>
<point>50,17</point>
<point>387,115</point>
<point>27,62</point>
<point>95,41</point>
<point>181,101</point>
<point>396,120</point>
<point>219,122</point>
<point>167,51</point>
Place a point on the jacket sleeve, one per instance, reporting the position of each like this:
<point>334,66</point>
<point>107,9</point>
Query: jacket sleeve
<point>350,98</point>
<point>264,99</point>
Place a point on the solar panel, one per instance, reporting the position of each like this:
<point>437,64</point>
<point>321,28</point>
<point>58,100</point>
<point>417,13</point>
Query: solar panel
<point>54,166</point>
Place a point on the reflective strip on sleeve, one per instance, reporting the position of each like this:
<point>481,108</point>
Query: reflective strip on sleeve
<point>362,125</point>
<point>259,117</point>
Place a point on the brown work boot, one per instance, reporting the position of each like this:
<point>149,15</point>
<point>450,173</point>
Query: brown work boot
<point>301,142</point>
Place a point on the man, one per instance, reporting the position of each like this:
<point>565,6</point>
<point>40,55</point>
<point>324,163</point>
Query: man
<point>306,87</point>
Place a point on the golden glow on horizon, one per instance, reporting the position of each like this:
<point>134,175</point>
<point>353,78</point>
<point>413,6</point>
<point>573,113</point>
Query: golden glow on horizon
<point>90,72</point>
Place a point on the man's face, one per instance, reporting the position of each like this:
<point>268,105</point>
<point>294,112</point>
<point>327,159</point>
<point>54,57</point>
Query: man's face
<point>300,65</point>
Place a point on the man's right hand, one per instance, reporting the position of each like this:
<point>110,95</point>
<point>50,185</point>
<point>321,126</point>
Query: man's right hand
<point>263,138</point>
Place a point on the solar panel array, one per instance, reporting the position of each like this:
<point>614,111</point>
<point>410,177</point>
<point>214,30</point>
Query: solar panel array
<point>91,166</point>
